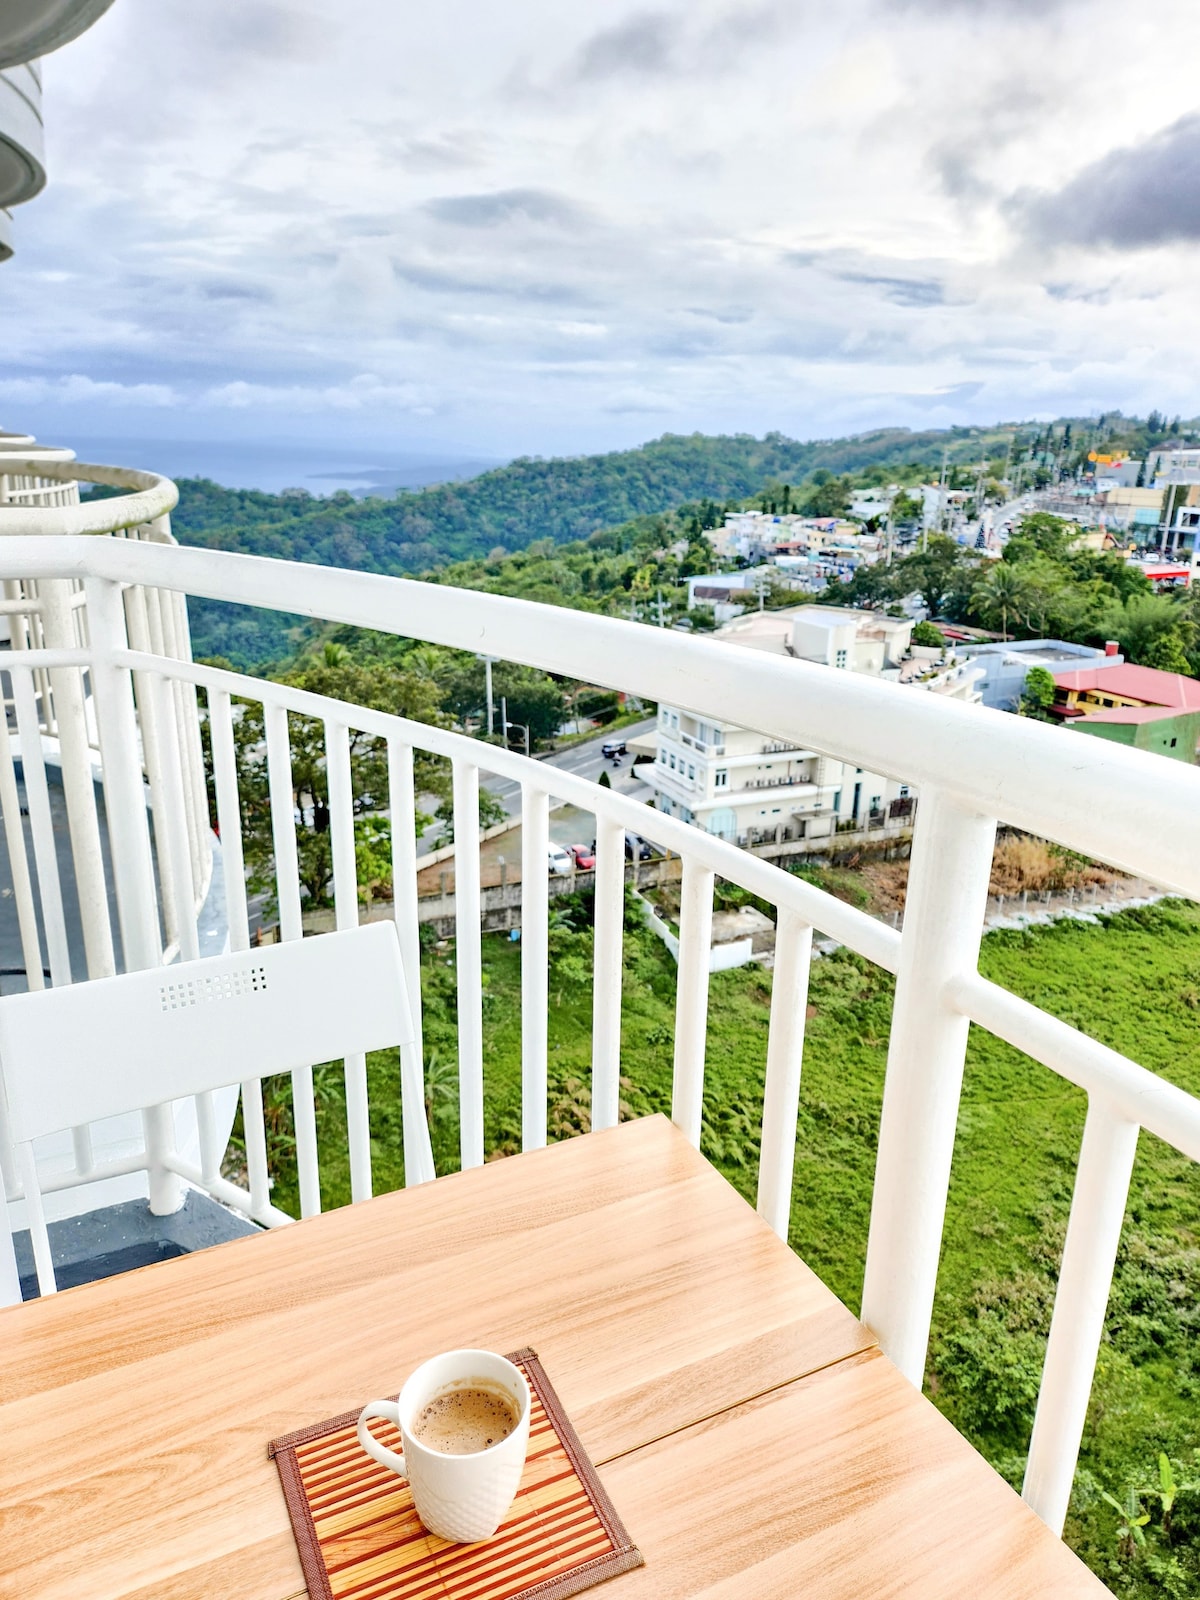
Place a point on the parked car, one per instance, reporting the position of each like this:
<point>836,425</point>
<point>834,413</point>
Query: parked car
<point>639,849</point>
<point>585,859</point>
<point>558,862</point>
<point>612,748</point>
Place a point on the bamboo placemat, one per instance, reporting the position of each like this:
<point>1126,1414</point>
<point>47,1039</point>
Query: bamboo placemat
<point>359,1536</point>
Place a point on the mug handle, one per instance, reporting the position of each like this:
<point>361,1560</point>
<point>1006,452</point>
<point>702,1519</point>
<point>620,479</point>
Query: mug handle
<point>390,1412</point>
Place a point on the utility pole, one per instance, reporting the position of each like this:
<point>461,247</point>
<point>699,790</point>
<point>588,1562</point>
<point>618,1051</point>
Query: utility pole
<point>487,667</point>
<point>941,511</point>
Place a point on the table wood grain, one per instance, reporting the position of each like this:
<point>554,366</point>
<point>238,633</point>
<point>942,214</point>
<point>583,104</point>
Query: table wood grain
<point>847,1485</point>
<point>136,1412</point>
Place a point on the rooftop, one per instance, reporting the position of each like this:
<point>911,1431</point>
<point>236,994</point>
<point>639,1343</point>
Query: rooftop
<point>1147,684</point>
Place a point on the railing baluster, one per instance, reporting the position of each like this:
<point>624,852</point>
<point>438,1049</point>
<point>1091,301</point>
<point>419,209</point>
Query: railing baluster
<point>535,841</point>
<point>79,790</point>
<point>41,828</point>
<point>418,1149</point>
<point>229,823</point>
<point>468,945</point>
<point>691,1001</point>
<point>138,627</point>
<point>785,1053</point>
<point>18,864</point>
<point>345,900</point>
<point>943,924</point>
<point>287,887</point>
<point>129,837</point>
<point>606,972</point>
<point>229,816</point>
<point>171,827</point>
<point>229,819</point>
<point>1077,1325</point>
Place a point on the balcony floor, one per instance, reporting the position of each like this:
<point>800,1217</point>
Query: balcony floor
<point>100,1244</point>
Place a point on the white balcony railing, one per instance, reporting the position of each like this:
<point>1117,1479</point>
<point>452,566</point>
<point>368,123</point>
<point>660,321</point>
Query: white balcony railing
<point>973,768</point>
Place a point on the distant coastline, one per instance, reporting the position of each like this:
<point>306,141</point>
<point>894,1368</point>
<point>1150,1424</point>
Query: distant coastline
<point>274,467</point>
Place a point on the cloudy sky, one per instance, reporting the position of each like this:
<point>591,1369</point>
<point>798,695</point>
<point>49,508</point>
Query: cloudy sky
<point>537,227</point>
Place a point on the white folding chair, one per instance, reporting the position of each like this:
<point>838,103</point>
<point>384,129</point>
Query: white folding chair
<point>77,1054</point>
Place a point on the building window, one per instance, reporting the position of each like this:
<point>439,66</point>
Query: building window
<point>840,659</point>
<point>904,791</point>
<point>721,778</point>
<point>691,772</point>
<point>672,763</point>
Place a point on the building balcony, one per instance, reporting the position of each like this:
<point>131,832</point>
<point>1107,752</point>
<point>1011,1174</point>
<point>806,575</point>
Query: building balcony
<point>22,152</point>
<point>113,638</point>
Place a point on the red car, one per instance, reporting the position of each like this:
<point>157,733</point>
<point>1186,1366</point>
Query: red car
<point>585,859</point>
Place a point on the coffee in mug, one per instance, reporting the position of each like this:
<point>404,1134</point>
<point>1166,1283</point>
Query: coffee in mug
<point>460,1421</point>
<point>464,1423</point>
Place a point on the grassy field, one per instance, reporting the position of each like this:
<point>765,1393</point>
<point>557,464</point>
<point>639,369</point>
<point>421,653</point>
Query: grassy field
<point>1134,982</point>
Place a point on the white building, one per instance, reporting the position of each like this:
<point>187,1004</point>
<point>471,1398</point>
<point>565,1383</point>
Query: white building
<point>746,787</point>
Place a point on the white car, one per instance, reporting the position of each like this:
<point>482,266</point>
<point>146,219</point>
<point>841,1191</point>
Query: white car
<point>558,861</point>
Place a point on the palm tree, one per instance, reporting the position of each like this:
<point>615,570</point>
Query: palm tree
<point>1002,592</point>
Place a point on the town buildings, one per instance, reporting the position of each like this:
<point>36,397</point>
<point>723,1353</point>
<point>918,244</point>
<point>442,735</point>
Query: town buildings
<point>742,786</point>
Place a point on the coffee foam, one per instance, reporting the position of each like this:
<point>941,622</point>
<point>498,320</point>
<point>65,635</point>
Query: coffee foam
<point>465,1419</point>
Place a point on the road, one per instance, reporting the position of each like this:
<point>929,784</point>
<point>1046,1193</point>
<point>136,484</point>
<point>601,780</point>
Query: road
<point>581,760</point>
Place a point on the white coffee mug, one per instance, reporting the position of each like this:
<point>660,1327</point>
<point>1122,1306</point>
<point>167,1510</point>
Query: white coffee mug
<point>462,1498</point>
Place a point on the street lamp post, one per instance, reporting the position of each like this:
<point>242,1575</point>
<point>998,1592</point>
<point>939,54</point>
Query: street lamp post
<point>506,724</point>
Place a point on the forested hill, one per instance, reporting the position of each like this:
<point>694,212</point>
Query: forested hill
<point>561,499</point>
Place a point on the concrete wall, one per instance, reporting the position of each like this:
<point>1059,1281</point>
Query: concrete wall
<point>1175,737</point>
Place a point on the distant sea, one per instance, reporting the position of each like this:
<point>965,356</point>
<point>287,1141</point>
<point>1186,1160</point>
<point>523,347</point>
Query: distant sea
<point>272,467</point>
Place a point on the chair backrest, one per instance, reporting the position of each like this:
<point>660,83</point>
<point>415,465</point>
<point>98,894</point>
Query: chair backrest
<point>78,1054</point>
<point>91,1050</point>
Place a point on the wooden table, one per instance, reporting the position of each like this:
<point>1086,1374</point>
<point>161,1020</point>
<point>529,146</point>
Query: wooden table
<point>742,1418</point>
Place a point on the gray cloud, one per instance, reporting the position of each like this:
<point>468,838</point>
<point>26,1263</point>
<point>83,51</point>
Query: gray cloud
<point>507,205</point>
<point>643,44</point>
<point>849,267</point>
<point>265,28</point>
<point>320,239</point>
<point>904,291</point>
<point>1147,194</point>
<point>253,292</point>
<point>437,280</point>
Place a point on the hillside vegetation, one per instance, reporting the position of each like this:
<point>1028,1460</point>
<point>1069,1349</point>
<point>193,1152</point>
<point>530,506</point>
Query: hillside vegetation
<point>531,498</point>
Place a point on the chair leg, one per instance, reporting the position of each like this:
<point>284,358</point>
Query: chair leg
<point>418,1150</point>
<point>10,1278</point>
<point>37,1221</point>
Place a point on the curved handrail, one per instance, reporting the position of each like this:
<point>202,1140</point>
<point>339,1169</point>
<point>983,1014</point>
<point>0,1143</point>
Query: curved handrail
<point>843,922</point>
<point>1122,806</point>
<point>151,496</point>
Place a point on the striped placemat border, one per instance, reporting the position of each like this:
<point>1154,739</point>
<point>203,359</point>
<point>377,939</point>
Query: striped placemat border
<point>622,1557</point>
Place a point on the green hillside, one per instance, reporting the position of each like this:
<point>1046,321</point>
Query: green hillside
<point>570,499</point>
<point>560,499</point>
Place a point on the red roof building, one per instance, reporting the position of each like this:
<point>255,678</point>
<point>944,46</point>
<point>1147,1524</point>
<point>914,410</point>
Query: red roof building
<point>1139,706</point>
